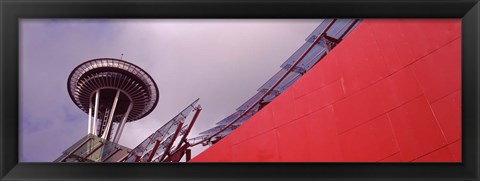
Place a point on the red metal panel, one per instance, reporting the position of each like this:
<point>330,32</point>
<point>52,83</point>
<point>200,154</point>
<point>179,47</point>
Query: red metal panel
<point>382,73</point>
<point>456,150</point>
<point>396,157</point>
<point>256,125</point>
<point>443,30</point>
<point>318,98</point>
<point>416,129</point>
<point>262,148</point>
<point>219,152</point>
<point>361,61</point>
<point>371,141</point>
<point>283,108</point>
<point>439,72</point>
<point>448,113</point>
<point>312,138</point>
<point>289,146</point>
<point>426,35</point>
<point>323,73</point>
<point>322,133</point>
<point>440,155</point>
<point>391,41</point>
<point>417,38</point>
<point>373,101</point>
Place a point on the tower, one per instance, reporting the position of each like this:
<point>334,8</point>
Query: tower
<point>112,92</point>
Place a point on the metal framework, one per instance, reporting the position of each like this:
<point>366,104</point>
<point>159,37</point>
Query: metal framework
<point>158,147</point>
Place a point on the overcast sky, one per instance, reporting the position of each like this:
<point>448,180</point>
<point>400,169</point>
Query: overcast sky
<point>222,62</point>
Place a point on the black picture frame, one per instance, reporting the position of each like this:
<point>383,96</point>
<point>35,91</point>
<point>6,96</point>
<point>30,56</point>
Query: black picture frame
<point>11,11</point>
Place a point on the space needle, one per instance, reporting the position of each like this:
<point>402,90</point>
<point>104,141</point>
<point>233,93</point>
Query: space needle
<point>111,92</point>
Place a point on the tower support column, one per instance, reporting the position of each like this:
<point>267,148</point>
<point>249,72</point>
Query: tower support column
<point>90,118</point>
<point>122,124</point>
<point>110,117</point>
<point>95,113</point>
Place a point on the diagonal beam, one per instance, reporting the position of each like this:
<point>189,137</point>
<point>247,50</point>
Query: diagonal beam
<point>152,153</point>
<point>177,154</point>
<point>167,148</point>
<point>122,124</point>
<point>184,137</point>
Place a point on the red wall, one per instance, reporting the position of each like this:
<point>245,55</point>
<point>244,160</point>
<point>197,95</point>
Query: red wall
<point>389,92</point>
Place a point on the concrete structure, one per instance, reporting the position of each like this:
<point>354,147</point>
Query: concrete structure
<point>389,92</point>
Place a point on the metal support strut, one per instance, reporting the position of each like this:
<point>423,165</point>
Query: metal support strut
<point>122,124</point>
<point>183,145</point>
<point>95,113</point>
<point>89,131</point>
<point>152,153</point>
<point>167,148</point>
<point>110,117</point>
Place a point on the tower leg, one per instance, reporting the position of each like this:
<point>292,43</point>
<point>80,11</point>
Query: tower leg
<point>95,113</point>
<point>110,117</point>
<point>122,124</point>
<point>89,118</point>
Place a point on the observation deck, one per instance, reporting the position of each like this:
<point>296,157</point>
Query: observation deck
<point>112,90</point>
